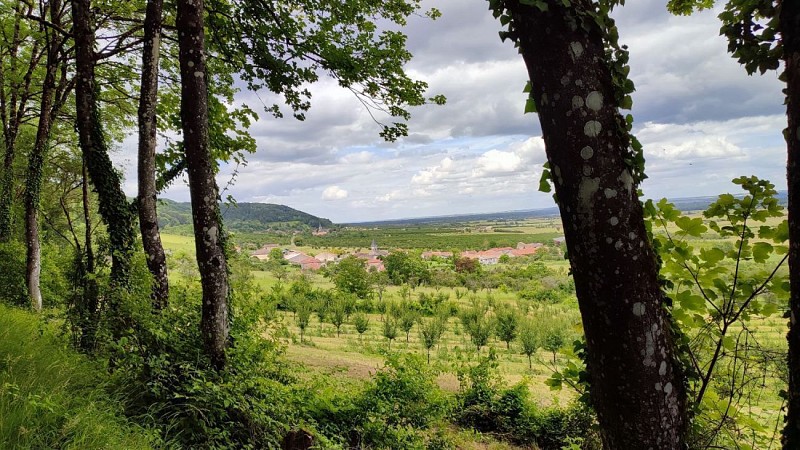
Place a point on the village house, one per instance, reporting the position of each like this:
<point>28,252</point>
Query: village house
<point>262,254</point>
<point>375,264</point>
<point>327,257</point>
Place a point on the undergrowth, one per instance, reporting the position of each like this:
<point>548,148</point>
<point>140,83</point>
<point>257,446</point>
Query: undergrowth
<point>50,397</point>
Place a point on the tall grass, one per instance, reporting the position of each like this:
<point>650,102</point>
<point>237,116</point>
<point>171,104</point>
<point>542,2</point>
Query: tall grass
<point>51,397</point>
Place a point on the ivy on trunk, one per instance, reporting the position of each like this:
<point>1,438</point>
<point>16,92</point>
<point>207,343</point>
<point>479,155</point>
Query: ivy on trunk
<point>578,85</point>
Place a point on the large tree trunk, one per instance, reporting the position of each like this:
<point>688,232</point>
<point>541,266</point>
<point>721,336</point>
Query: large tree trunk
<point>33,182</point>
<point>208,234</point>
<point>113,205</point>
<point>636,387</point>
<point>148,217</point>
<point>790,32</point>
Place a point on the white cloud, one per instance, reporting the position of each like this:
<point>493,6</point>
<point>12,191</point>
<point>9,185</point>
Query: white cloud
<point>334,193</point>
<point>496,162</point>
<point>701,119</point>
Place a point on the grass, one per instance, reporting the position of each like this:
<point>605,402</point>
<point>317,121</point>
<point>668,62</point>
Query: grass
<point>51,397</point>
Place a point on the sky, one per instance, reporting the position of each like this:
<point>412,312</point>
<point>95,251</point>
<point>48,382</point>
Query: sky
<point>701,118</point>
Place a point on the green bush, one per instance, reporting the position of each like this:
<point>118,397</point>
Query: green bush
<point>509,413</point>
<point>169,384</point>
<point>397,409</point>
<point>13,290</point>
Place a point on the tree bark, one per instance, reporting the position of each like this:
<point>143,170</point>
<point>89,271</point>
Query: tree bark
<point>88,310</point>
<point>789,23</point>
<point>208,234</point>
<point>8,112</point>
<point>636,388</point>
<point>12,114</point>
<point>148,216</point>
<point>113,205</point>
<point>33,182</point>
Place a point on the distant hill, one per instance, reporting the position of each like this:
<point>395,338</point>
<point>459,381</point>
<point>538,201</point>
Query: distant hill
<point>685,204</point>
<point>243,217</point>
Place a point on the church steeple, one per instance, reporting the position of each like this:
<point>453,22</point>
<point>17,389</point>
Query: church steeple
<point>374,247</point>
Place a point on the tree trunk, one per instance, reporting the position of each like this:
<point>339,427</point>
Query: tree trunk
<point>790,32</point>
<point>88,309</point>
<point>148,217</point>
<point>208,234</point>
<point>636,388</point>
<point>8,112</point>
<point>113,205</point>
<point>33,182</point>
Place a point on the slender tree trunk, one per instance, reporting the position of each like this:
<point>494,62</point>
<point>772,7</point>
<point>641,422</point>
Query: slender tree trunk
<point>148,217</point>
<point>113,205</point>
<point>208,234</point>
<point>790,31</point>
<point>88,310</point>
<point>8,114</point>
<point>636,388</point>
<point>33,182</point>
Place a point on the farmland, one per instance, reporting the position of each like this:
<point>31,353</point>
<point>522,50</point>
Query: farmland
<point>537,290</point>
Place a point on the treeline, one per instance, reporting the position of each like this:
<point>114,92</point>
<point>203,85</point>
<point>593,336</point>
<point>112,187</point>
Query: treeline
<point>245,217</point>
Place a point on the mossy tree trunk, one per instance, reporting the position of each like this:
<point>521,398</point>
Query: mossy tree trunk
<point>114,208</point>
<point>15,96</point>
<point>208,233</point>
<point>636,388</point>
<point>147,199</point>
<point>790,31</point>
<point>48,108</point>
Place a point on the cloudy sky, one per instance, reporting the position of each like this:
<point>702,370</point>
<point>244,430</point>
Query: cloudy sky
<point>701,119</point>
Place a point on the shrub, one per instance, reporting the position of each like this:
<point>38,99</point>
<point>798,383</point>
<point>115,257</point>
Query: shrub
<point>400,402</point>
<point>510,414</point>
<point>13,290</point>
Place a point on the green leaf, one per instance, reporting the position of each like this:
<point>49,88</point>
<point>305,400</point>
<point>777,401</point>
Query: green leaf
<point>544,181</point>
<point>761,251</point>
<point>769,309</point>
<point>530,105</point>
<point>692,227</point>
<point>626,103</point>
<point>668,210</point>
<point>728,343</point>
<point>712,256</point>
<point>689,301</point>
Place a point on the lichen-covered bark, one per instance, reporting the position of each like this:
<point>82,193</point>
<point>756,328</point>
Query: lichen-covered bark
<point>636,388</point>
<point>790,31</point>
<point>148,216</point>
<point>113,205</point>
<point>33,181</point>
<point>208,235</point>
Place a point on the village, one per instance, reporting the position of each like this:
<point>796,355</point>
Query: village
<point>374,257</point>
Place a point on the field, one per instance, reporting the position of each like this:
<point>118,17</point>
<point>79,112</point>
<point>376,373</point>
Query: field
<point>538,289</point>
